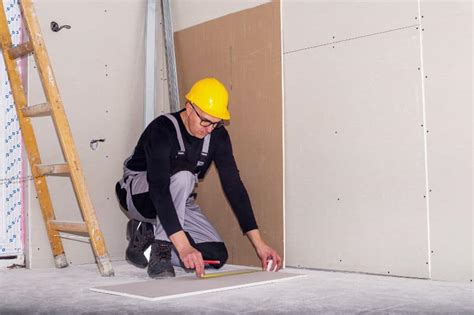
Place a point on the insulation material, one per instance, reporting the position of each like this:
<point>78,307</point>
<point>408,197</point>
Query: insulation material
<point>11,178</point>
<point>155,290</point>
<point>243,51</point>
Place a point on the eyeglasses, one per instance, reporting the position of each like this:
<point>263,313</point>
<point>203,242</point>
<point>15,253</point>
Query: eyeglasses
<point>206,122</point>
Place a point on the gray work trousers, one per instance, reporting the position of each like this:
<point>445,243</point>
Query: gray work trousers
<point>190,215</point>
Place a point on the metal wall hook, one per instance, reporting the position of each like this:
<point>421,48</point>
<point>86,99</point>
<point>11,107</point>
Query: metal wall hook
<point>95,143</point>
<point>56,28</point>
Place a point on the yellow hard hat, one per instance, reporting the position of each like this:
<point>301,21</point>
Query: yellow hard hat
<point>211,97</point>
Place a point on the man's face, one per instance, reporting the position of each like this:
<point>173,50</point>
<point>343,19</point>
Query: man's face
<point>200,124</point>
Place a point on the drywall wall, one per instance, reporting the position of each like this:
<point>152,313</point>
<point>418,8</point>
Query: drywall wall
<point>378,131</point>
<point>99,68</point>
<point>243,50</point>
<point>355,175</point>
<point>447,63</point>
<point>187,13</point>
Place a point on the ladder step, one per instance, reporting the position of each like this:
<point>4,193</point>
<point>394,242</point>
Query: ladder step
<point>53,169</point>
<point>43,109</point>
<point>66,226</point>
<point>78,238</point>
<point>21,50</point>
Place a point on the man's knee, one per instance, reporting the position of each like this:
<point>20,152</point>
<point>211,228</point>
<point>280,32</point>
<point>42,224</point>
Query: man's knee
<point>213,251</point>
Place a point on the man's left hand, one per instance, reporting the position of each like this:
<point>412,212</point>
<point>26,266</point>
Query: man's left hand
<point>266,253</point>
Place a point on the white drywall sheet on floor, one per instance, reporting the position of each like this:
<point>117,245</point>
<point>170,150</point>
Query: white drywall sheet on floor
<point>448,71</point>
<point>355,169</point>
<point>161,289</point>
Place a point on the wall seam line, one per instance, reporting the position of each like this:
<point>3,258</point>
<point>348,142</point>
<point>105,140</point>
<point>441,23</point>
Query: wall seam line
<point>425,145</point>
<point>351,39</point>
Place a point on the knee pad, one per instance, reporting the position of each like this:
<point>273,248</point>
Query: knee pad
<point>213,251</point>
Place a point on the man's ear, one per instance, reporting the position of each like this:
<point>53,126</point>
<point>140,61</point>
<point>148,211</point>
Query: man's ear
<point>187,106</point>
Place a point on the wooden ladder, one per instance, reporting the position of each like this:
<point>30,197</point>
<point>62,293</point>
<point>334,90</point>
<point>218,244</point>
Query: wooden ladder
<point>54,108</point>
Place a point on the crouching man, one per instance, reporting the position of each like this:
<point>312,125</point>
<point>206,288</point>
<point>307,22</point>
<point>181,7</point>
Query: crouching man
<point>156,190</point>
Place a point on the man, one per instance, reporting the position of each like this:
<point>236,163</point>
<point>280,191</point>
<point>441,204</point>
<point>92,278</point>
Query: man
<point>156,191</point>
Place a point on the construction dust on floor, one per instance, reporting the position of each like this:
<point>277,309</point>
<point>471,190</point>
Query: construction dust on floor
<point>67,291</point>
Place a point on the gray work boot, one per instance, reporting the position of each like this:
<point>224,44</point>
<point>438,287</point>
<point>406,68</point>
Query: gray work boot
<point>160,260</point>
<point>140,235</point>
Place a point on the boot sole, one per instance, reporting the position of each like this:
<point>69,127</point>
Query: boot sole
<point>163,275</point>
<point>135,264</point>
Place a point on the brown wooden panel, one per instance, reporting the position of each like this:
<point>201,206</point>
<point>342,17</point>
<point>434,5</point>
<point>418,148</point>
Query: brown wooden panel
<point>243,50</point>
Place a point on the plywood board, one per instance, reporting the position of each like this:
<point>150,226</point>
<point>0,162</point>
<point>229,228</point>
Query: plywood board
<point>189,13</point>
<point>311,23</point>
<point>355,172</point>
<point>161,289</point>
<point>243,50</point>
<point>448,70</point>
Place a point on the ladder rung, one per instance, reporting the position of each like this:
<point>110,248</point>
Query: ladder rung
<point>53,169</point>
<point>37,110</point>
<point>21,50</point>
<point>65,226</point>
<point>84,239</point>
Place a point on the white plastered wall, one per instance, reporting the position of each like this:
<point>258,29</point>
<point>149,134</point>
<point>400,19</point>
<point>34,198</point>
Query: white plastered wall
<point>99,68</point>
<point>366,85</point>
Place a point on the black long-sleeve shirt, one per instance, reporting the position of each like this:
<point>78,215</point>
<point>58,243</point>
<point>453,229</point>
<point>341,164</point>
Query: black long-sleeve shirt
<point>156,153</point>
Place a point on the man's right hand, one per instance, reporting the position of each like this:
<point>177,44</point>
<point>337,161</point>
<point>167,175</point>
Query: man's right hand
<point>191,257</point>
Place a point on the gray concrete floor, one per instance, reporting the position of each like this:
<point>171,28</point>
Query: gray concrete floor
<point>66,291</point>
